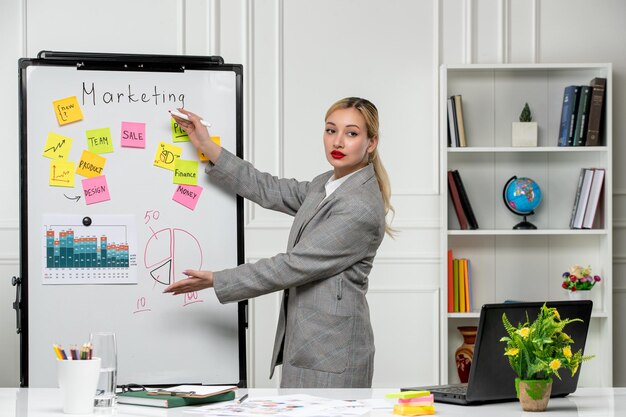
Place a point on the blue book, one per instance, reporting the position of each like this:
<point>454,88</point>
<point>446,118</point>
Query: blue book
<point>568,115</point>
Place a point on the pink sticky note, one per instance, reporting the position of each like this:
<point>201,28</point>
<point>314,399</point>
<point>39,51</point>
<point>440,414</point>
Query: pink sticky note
<point>133,135</point>
<point>96,189</point>
<point>187,195</point>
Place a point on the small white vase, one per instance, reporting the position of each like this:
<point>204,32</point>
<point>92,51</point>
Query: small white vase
<point>579,295</point>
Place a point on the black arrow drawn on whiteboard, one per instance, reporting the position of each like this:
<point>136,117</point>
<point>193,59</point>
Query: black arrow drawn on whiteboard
<point>73,198</point>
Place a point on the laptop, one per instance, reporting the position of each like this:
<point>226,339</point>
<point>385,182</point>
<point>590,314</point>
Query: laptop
<point>491,377</point>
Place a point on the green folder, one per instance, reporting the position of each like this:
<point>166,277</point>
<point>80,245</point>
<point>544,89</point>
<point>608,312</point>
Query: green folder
<point>169,401</point>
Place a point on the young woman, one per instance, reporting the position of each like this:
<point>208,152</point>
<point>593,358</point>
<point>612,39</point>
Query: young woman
<point>324,337</point>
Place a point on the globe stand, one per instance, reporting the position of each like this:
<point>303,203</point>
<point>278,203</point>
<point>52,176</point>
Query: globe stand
<point>525,224</point>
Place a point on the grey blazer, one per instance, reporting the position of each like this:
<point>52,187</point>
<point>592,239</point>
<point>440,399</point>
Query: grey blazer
<point>324,337</point>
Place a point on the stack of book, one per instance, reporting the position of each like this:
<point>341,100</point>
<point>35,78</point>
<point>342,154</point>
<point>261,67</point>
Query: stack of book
<point>456,127</point>
<point>581,114</point>
<point>587,200</point>
<point>459,284</point>
<point>460,201</point>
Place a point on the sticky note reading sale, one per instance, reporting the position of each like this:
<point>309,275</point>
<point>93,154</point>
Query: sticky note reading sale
<point>57,146</point>
<point>186,172</point>
<point>187,195</point>
<point>67,110</point>
<point>90,164</point>
<point>178,134</point>
<point>202,156</point>
<point>100,140</point>
<point>133,135</point>
<point>96,189</point>
<point>61,173</point>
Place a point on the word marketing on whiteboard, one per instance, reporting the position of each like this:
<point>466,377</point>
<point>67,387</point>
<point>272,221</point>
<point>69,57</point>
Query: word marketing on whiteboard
<point>130,95</point>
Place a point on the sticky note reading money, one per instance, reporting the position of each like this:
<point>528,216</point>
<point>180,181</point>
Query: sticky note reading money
<point>187,195</point>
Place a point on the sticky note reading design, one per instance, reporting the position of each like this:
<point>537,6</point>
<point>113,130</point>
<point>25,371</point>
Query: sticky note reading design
<point>57,146</point>
<point>187,195</point>
<point>178,134</point>
<point>202,156</point>
<point>186,172</point>
<point>67,110</point>
<point>166,155</point>
<point>90,164</point>
<point>133,135</point>
<point>100,140</point>
<point>96,189</point>
<point>61,173</point>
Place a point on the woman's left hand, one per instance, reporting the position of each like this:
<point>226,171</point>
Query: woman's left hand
<point>196,281</point>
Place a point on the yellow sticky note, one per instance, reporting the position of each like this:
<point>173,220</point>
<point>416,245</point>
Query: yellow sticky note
<point>90,165</point>
<point>178,134</point>
<point>67,110</point>
<point>202,156</point>
<point>166,155</point>
<point>186,172</point>
<point>99,140</point>
<point>57,146</point>
<point>61,173</point>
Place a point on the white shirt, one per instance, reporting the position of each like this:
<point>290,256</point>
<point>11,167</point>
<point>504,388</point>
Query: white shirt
<point>332,184</point>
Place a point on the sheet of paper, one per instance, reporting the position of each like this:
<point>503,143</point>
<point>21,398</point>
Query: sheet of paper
<point>200,390</point>
<point>61,173</point>
<point>166,155</point>
<point>178,134</point>
<point>186,172</point>
<point>67,110</point>
<point>57,146</point>
<point>187,195</point>
<point>96,190</point>
<point>90,165</point>
<point>133,135</point>
<point>99,140</point>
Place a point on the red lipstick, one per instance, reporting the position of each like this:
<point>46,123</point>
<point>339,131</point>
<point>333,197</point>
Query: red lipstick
<point>337,154</point>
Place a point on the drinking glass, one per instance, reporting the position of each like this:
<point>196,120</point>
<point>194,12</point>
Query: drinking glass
<point>105,348</point>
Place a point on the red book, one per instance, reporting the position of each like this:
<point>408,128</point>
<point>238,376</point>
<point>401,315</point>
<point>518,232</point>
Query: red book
<point>456,201</point>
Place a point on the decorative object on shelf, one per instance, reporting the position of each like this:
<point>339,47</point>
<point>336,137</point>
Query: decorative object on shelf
<point>536,352</point>
<point>522,196</point>
<point>465,353</point>
<point>579,281</point>
<point>524,132</point>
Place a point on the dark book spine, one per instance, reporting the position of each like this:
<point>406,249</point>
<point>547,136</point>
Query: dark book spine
<point>582,118</point>
<point>456,202</point>
<point>568,114</point>
<point>465,203</point>
<point>596,111</point>
<point>454,130</point>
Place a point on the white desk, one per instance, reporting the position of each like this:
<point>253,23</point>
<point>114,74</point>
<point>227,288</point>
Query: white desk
<point>590,402</point>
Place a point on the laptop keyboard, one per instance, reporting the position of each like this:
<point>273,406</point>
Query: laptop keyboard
<point>452,389</point>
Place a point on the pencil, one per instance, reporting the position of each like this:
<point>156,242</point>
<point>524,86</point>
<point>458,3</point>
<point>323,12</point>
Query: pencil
<point>241,399</point>
<point>57,352</point>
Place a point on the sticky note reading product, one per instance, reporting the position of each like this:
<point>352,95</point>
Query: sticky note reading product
<point>178,134</point>
<point>166,155</point>
<point>67,110</point>
<point>133,135</point>
<point>96,189</point>
<point>202,156</point>
<point>100,140</point>
<point>61,173</point>
<point>57,146</point>
<point>187,195</point>
<point>186,172</point>
<point>90,164</point>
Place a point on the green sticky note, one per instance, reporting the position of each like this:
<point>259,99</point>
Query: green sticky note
<point>178,134</point>
<point>186,172</point>
<point>407,394</point>
<point>100,140</point>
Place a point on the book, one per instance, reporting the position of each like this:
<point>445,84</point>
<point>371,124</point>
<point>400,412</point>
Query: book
<point>582,200</point>
<point>577,197</point>
<point>461,286</point>
<point>594,198</point>
<point>450,282</point>
<point>456,202</point>
<point>452,126</point>
<point>465,203</point>
<point>568,115</point>
<point>580,132</point>
<point>170,401</point>
<point>466,282</point>
<point>596,112</point>
<point>458,109</point>
<point>455,269</point>
<point>470,285</point>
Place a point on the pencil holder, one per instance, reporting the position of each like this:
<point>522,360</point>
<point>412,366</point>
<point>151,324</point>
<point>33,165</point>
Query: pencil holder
<point>77,380</point>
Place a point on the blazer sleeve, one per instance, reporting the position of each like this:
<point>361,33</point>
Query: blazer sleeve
<point>270,192</point>
<point>344,238</point>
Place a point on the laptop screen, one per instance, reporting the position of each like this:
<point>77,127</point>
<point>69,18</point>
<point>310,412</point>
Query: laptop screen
<point>491,376</point>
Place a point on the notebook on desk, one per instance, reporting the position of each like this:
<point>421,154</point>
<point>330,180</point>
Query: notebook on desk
<point>491,378</point>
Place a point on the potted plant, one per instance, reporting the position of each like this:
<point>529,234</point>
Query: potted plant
<point>536,352</point>
<point>578,281</point>
<point>524,132</point>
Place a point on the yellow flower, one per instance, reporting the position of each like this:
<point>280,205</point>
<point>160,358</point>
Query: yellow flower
<point>555,364</point>
<point>524,331</point>
<point>567,352</point>
<point>565,337</point>
<point>511,352</point>
<point>556,314</point>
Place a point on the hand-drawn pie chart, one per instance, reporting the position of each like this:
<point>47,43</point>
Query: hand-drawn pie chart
<point>169,252</point>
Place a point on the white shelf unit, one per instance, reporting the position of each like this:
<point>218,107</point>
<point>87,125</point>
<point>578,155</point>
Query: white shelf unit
<point>512,264</point>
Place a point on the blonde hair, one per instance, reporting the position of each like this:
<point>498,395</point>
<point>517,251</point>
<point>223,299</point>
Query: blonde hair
<point>370,114</point>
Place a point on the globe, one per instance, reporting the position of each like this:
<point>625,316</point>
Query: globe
<point>522,196</point>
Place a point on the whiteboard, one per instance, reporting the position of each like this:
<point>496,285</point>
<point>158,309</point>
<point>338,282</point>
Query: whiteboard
<point>161,339</point>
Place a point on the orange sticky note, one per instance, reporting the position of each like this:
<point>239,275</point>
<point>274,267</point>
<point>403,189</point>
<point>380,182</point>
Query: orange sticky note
<point>90,164</point>
<point>67,110</point>
<point>202,156</point>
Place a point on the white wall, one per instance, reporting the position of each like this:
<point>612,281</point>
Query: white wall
<point>299,56</point>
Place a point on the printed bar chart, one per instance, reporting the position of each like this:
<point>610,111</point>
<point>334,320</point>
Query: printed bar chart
<point>69,251</point>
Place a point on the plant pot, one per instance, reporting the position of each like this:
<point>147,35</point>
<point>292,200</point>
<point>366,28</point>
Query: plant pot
<point>533,394</point>
<point>464,354</point>
<point>524,134</point>
<point>579,295</point>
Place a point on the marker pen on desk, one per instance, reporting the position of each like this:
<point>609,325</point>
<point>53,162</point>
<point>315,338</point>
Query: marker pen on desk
<point>241,399</point>
<point>185,117</point>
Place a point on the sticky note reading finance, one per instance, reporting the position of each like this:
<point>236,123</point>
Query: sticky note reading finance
<point>57,146</point>
<point>166,155</point>
<point>186,172</point>
<point>96,189</point>
<point>187,195</point>
<point>178,134</point>
<point>67,110</point>
<point>133,135</point>
<point>90,164</point>
<point>100,140</point>
<point>202,156</point>
<point>61,173</point>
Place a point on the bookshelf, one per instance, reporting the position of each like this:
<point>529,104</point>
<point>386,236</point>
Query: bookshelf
<point>512,264</point>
